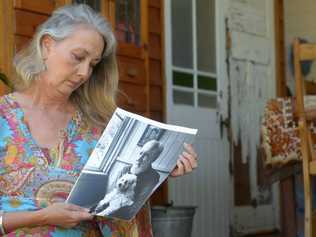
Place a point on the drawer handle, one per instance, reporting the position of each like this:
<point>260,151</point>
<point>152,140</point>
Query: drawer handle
<point>132,72</point>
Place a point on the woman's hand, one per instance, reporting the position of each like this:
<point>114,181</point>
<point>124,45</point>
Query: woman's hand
<point>64,215</point>
<point>58,214</point>
<point>187,161</point>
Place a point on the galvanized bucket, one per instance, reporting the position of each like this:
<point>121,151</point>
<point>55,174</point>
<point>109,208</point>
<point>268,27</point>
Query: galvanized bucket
<point>172,221</point>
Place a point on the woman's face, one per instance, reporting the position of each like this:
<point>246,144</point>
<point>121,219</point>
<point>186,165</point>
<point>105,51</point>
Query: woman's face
<point>70,62</point>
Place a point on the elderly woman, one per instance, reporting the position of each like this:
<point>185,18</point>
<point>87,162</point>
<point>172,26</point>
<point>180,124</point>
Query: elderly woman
<point>66,84</point>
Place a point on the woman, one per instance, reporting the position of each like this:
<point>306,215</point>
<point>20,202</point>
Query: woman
<point>67,79</point>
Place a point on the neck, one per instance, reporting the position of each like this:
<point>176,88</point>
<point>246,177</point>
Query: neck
<point>43,97</point>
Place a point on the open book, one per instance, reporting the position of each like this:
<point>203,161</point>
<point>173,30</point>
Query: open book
<point>132,158</point>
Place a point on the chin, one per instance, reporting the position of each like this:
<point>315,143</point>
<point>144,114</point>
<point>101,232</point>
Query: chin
<point>66,91</point>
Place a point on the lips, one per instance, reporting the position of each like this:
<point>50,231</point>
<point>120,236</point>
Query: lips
<point>73,83</point>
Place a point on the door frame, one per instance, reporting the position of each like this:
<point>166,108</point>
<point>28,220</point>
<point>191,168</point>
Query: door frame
<point>221,75</point>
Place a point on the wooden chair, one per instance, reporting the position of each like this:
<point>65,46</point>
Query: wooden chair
<point>303,52</point>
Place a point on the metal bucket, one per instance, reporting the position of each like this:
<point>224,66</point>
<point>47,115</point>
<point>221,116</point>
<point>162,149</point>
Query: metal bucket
<point>172,221</point>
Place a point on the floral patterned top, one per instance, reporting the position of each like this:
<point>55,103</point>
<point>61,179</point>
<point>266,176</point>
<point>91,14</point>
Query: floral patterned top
<point>32,177</point>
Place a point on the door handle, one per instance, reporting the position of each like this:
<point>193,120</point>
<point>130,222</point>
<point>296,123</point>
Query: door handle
<point>223,123</point>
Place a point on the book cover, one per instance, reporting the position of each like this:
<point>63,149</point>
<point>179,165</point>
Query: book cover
<point>133,156</point>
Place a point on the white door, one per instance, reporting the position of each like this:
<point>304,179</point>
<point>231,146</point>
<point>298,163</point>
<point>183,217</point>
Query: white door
<point>195,62</point>
<point>252,69</point>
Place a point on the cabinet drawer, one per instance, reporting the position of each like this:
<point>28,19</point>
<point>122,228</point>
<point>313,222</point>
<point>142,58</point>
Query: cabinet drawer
<point>156,98</point>
<point>42,6</point>
<point>157,115</point>
<point>132,70</point>
<point>132,97</point>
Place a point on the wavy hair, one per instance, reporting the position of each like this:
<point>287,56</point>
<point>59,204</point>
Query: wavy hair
<point>96,97</point>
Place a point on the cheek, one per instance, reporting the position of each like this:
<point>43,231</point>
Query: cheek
<point>59,66</point>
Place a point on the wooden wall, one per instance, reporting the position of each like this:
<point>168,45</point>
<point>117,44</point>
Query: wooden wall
<point>156,76</point>
<point>156,59</point>
<point>18,21</point>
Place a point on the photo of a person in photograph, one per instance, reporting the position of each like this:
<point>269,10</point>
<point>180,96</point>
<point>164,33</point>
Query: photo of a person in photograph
<point>147,179</point>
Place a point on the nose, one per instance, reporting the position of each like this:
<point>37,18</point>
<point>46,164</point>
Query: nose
<point>84,70</point>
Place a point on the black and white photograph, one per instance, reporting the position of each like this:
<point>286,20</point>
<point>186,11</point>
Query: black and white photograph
<point>131,159</point>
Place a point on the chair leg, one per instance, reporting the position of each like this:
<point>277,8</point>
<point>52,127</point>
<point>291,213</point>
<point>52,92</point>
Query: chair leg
<point>308,205</point>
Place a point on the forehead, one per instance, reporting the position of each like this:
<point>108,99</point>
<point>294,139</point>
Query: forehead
<point>86,39</point>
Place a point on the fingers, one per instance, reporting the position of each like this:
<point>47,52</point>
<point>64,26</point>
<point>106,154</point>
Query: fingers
<point>72,207</point>
<point>65,215</point>
<point>186,164</point>
<point>191,159</point>
<point>78,213</point>
<point>190,150</point>
<point>81,215</point>
<point>187,161</point>
<point>179,170</point>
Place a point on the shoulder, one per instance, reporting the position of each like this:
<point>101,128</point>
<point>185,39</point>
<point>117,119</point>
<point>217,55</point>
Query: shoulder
<point>151,176</point>
<point>7,104</point>
<point>7,124</point>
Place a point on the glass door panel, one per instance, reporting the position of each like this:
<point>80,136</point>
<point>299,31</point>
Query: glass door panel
<point>182,35</point>
<point>194,78</point>
<point>206,35</point>
<point>128,21</point>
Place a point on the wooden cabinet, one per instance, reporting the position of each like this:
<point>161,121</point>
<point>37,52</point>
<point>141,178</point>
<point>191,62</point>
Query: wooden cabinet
<point>42,7</point>
<point>18,21</point>
<point>130,24</point>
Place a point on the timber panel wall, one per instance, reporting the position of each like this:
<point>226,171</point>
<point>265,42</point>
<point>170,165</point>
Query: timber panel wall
<point>156,77</point>
<point>156,70</point>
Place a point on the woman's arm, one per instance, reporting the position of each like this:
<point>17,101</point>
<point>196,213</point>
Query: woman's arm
<point>60,214</point>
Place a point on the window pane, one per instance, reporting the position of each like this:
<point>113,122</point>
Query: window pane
<point>182,97</point>
<point>182,79</point>
<point>207,83</point>
<point>95,4</point>
<point>182,46</point>
<point>127,14</point>
<point>207,101</point>
<point>205,19</point>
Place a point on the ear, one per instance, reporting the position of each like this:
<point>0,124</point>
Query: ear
<point>47,42</point>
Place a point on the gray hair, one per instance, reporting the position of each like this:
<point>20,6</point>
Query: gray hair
<point>59,26</point>
<point>63,22</point>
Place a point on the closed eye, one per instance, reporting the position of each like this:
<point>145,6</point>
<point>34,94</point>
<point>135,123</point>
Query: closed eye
<point>78,57</point>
